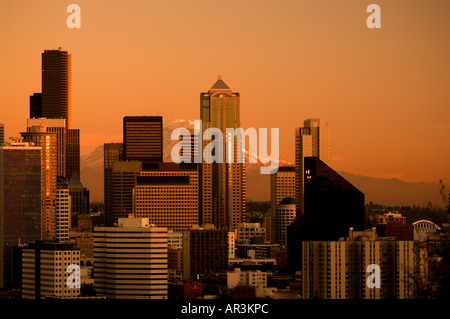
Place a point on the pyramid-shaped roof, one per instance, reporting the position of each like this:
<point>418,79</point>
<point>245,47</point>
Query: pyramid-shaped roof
<point>220,85</point>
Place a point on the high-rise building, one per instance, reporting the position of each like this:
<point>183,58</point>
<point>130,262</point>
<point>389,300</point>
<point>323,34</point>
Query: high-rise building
<point>332,206</point>
<point>63,209</point>
<point>310,140</point>
<point>339,269</point>
<point>36,105</point>
<point>20,201</point>
<point>45,272</point>
<point>48,141</point>
<point>205,250</point>
<point>112,152</point>
<point>122,188</point>
<point>72,153</point>
<point>130,260</point>
<point>167,194</point>
<point>56,126</point>
<point>2,133</point>
<point>223,185</point>
<point>282,185</point>
<point>56,85</point>
<point>79,199</point>
<point>284,216</point>
<point>143,138</point>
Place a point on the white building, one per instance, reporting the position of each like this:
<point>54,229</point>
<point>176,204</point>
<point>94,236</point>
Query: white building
<point>231,245</point>
<point>247,231</point>
<point>130,260</point>
<point>174,238</point>
<point>63,210</point>
<point>246,278</point>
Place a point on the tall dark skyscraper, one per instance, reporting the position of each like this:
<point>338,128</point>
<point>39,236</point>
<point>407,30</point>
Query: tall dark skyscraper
<point>56,85</point>
<point>332,206</point>
<point>73,153</point>
<point>112,152</point>
<point>143,138</point>
<point>20,201</point>
<point>223,191</point>
<point>2,133</point>
<point>36,105</point>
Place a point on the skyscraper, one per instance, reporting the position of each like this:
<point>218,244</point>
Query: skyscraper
<point>73,153</point>
<point>112,152</point>
<point>332,206</point>
<point>79,199</point>
<point>122,188</point>
<point>2,133</point>
<point>56,85</point>
<point>48,141</point>
<point>310,140</point>
<point>143,138</point>
<point>20,201</point>
<point>36,105</point>
<point>223,191</point>
<point>63,210</point>
<point>57,126</point>
<point>282,185</point>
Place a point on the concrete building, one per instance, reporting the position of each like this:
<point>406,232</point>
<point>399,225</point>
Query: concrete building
<point>167,194</point>
<point>205,250</point>
<point>282,185</point>
<point>250,233</point>
<point>122,188</point>
<point>46,271</point>
<point>310,140</point>
<point>63,210</point>
<point>20,201</point>
<point>174,238</point>
<point>339,269</point>
<point>237,277</point>
<point>223,185</point>
<point>130,260</point>
<point>285,213</point>
<point>80,199</point>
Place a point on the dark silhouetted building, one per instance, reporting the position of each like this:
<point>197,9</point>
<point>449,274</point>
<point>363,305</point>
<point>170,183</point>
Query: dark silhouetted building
<point>36,105</point>
<point>73,153</point>
<point>143,138</point>
<point>112,152</point>
<point>205,250</point>
<point>332,206</point>
<point>20,201</point>
<point>56,85</point>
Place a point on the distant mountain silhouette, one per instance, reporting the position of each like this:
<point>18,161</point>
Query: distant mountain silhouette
<point>378,190</point>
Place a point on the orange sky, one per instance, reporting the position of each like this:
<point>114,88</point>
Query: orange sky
<point>385,93</point>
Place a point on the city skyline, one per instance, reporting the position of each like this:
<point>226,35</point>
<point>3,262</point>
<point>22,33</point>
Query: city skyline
<point>387,85</point>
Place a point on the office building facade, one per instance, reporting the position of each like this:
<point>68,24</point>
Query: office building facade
<point>20,201</point>
<point>167,194</point>
<point>223,185</point>
<point>45,272</point>
<point>130,260</point>
<point>143,138</point>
